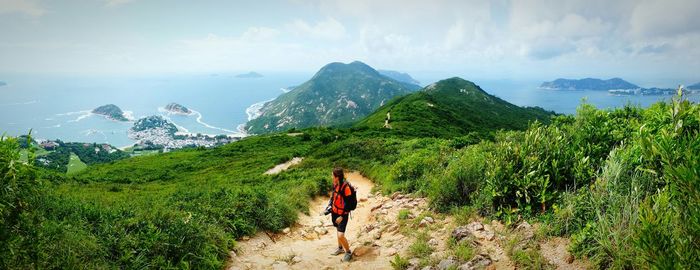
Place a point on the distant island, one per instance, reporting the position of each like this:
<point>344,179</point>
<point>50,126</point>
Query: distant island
<point>2,83</point>
<point>399,76</point>
<point>157,133</point>
<point>110,111</point>
<point>177,109</point>
<point>249,75</point>
<point>588,84</point>
<point>693,86</point>
<point>614,86</point>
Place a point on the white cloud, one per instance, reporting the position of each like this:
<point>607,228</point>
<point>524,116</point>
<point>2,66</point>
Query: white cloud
<point>259,34</point>
<point>513,36</point>
<point>328,29</point>
<point>114,3</point>
<point>665,18</point>
<point>27,7</point>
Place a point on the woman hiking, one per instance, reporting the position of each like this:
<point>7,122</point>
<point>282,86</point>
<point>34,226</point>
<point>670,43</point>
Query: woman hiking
<point>343,200</point>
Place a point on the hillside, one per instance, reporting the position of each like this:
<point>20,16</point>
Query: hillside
<point>588,84</point>
<point>611,186</point>
<point>452,107</point>
<point>337,94</point>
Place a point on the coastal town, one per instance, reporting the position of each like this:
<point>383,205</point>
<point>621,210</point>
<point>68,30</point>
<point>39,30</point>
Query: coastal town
<point>156,133</point>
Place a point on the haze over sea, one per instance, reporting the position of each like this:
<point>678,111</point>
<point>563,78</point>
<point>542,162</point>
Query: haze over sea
<point>58,106</point>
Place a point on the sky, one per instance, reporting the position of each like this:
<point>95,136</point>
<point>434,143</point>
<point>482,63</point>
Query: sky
<point>501,39</point>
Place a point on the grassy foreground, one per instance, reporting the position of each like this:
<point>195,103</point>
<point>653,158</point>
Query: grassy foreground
<point>623,184</point>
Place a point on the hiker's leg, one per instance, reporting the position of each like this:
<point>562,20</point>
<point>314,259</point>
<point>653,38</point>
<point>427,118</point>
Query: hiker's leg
<point>343,241</point>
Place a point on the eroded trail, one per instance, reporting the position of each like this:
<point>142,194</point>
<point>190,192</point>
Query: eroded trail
<point>308,244</point>
<point>382,227</point>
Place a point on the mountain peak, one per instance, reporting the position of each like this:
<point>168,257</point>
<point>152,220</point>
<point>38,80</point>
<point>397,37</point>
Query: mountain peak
<point>451,107</point>
<point>337,94</point>
<point>341,68</point>
<point>455,84</point>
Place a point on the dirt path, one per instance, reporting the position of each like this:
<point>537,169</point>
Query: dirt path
<point>308,244</point>
<point>376,233</point>
<point>284,166</point>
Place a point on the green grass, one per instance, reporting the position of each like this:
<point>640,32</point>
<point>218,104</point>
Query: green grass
<point>399,263</point>
<point>23,155</point>
<point>403,214</point>
<point>618,182</point>
<point>420,247</point>
<point>463,251</point>
<point>75,165</point>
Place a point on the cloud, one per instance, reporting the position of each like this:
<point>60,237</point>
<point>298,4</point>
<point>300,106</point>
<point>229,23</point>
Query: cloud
<point>328,29</point>
<point>665,18</point>
<point>26,7</point>
<point>498,36</point>
<point>259,34</point>
<point>550,48</point>
<point>655,49</point>
<point>377,41</point>
<point>114,3</point>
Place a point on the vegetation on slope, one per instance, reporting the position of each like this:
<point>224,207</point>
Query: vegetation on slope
<point>618,182</point>
<point>449,108</point>
<point>338,94</point>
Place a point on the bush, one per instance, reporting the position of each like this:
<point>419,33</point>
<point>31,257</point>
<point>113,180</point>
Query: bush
<point>459,183</point>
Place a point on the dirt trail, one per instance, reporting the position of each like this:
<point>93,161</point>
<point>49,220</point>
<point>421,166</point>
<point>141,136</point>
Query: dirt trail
<point>284,166</point>
<point>376,234</point>
<point>308,244</point>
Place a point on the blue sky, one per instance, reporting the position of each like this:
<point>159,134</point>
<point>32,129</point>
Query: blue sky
<point>528,39</point>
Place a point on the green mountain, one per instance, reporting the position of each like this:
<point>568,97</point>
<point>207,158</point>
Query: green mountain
<point>451,107</point>
<point>338,94</point>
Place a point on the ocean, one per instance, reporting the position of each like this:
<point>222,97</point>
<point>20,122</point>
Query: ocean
<point>58,106</point>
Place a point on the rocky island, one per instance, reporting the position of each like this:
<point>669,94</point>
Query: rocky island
<point>177,109</point>
<point>110,111</point>
<point>156,132</point>
<point>249,75</point>
<point>614,86</point>
<point>588,84</point>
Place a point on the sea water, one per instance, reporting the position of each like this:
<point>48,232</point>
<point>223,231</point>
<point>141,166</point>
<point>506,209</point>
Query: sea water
<point>58,106</point>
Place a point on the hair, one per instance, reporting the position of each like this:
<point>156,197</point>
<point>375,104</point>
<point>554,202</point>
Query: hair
<point>338,172</point>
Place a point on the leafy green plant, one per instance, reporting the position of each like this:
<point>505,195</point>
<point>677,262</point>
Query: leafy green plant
<point>399,263</point>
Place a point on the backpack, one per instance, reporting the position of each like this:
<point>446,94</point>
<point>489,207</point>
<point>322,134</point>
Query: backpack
<point>350,202</point>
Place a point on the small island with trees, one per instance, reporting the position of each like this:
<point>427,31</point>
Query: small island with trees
<point>111,112</point>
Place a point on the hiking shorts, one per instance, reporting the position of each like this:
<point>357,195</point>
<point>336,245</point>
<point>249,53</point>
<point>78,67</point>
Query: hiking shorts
<point>341,226</point>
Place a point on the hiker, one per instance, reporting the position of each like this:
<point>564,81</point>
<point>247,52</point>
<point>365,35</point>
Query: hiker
<point>343,200</point>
